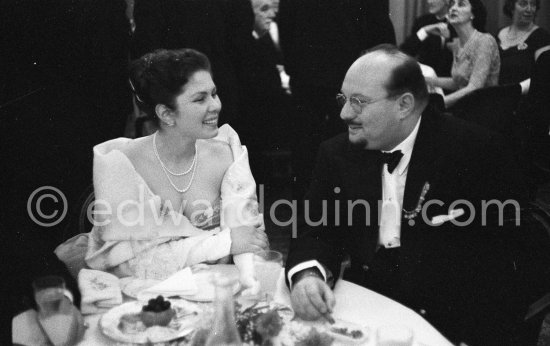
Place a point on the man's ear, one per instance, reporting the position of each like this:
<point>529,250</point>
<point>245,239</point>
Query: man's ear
<point>165,114</point>
<point>406,104</point>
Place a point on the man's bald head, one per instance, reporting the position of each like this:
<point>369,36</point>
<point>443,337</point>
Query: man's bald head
<point>404,72</point>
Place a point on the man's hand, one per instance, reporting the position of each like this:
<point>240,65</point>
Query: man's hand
<point>311,298</point>
<point>439,29</point>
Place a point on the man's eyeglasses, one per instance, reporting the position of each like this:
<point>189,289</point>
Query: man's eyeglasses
<point>356,103</point>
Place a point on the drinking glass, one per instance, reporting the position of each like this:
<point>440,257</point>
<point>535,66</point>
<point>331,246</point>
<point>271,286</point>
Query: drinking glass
<point>59,318</point>
<point>394,335</point>
<point>267,266</point>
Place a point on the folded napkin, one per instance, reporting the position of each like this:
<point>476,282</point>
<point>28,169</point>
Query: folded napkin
<point>181,283</point>
<point>100,291</point>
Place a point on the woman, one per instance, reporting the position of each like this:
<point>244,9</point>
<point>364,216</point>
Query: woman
<point>476,61</point>
<point>522,42</point>
<point>161,197</point>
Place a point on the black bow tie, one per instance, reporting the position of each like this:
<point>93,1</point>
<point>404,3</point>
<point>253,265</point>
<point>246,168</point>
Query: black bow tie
<point>391,159</point>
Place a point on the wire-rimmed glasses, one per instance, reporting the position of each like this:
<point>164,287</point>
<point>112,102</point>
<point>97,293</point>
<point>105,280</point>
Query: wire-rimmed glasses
<point>356,103</point>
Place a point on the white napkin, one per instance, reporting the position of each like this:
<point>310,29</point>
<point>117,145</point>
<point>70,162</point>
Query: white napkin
<point>181,283</point>
<point>100,291</point>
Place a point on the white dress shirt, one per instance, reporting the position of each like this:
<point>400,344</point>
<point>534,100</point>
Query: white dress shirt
<point>393,190</point>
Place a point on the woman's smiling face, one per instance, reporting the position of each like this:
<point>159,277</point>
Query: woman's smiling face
<point>198,107</point>
<point>524,12</point>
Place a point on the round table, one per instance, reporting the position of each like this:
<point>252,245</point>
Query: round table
<point>353,303</point>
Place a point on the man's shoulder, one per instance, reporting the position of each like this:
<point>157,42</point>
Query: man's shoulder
<point>336,144</point>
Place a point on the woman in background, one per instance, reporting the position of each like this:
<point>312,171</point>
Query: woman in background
<point>476,61</point>
<point>522,42</point>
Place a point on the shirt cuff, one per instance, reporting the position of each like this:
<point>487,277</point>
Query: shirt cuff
<point>421,34</point>
<point>306,265</point>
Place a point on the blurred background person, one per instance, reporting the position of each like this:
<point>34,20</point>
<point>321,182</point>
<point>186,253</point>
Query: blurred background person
<point>521,42</point>
<point>265,105</point>
<point>430,49</point>
<point>476,58</point>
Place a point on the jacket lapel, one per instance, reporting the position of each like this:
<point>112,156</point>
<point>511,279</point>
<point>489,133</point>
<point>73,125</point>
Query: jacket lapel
<point>423,160</point>
<point>366,181</point>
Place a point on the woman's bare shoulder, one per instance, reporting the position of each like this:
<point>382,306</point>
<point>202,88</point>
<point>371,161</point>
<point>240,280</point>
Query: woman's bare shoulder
<point>137,149</point>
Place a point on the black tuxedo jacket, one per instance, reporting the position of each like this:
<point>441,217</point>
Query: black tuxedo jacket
<point>462,279</point>
<point>430,51</point>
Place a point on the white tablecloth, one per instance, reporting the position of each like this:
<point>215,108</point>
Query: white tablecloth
<point>353,303</point>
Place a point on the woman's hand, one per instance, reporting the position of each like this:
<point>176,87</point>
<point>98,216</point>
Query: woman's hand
<point>247,239</point>
<point>439,29</point>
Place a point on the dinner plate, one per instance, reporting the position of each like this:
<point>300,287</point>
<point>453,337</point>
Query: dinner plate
<point>187,316</point>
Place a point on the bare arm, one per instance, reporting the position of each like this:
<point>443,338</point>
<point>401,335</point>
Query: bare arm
<point>451,99</point>
<point>446,83</point>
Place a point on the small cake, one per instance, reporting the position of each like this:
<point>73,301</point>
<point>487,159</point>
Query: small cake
<point>157,312</point>
<point>131,324</point>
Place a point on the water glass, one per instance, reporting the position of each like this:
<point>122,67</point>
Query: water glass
<point>394,335</point>
<point>267,266</point>
<point>59,318</point>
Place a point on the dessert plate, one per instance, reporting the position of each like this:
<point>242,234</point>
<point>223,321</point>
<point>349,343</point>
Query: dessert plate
<point>187,316</point>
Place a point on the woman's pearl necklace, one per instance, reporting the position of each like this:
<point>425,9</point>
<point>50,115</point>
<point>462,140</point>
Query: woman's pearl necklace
<point>166,171</point>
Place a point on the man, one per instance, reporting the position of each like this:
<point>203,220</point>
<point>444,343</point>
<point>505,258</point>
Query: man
<point>265,103</point>
<point>319,40</point>
<point>416,246</point>
<point>429,49</point>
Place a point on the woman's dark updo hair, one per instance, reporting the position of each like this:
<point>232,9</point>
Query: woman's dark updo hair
<point>509,5</point>
<point>158,77</point>
<point>480,15</point>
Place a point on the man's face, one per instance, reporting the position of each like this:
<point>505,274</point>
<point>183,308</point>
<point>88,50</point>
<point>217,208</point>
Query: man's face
<point>438,7</point>
<point>263,15</point>
<point>375,124</point>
